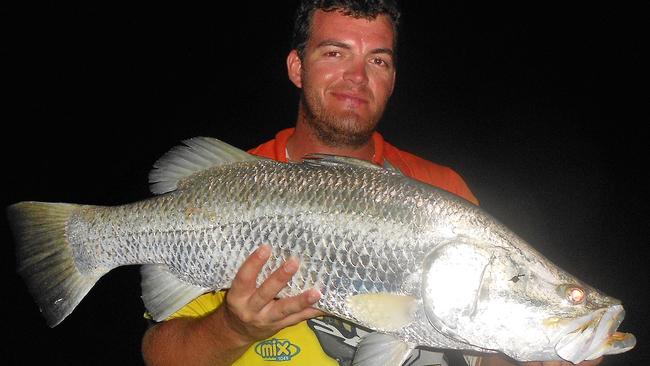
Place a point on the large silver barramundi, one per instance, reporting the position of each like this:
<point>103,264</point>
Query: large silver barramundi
<point>416,264</point>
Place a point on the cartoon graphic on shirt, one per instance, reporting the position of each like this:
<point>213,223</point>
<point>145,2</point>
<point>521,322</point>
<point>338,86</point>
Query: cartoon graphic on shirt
<point>339,340</point>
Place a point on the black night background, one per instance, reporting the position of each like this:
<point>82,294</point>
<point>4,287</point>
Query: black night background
<point>540,107</point>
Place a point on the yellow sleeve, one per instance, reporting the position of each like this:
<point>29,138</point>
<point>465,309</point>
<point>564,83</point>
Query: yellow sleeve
<point>201,306</point>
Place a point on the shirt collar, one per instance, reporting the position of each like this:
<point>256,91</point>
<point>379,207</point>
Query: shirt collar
<point>283,136</point>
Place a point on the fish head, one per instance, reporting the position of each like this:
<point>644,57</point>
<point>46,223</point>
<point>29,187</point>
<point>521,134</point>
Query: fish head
<point>512,300</point>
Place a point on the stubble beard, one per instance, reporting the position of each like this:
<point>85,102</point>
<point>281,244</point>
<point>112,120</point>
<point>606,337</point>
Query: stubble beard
<point>345,129</point>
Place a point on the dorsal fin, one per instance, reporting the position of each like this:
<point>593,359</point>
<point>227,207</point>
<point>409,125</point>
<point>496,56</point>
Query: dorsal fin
<point>337,160</point>
<point>197,154</point>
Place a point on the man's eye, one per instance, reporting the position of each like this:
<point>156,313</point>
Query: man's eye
<point>379,62</point>
<point>332,54</point>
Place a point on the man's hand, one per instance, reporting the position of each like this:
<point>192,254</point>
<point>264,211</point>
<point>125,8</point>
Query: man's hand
<point>254,312</point>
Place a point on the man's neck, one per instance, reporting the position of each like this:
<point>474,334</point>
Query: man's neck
<point>305,141</point>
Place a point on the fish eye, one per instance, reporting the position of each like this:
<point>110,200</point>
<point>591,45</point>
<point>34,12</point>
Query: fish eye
<point>575,295</point>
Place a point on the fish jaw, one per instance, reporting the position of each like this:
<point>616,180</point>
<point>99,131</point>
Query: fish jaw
<point>595,335</point>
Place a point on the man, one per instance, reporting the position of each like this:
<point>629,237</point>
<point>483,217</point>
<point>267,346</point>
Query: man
<point>344,63</point>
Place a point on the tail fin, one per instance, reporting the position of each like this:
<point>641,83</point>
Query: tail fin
<point>45,259</point>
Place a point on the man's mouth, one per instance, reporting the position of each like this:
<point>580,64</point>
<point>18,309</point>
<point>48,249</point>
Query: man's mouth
<point>352,99</point>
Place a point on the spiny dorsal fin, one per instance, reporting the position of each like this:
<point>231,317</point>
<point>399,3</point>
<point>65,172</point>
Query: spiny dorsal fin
<point>336,160</point>
<point>198,153</point>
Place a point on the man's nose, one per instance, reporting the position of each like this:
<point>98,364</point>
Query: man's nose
<point>356,72</point>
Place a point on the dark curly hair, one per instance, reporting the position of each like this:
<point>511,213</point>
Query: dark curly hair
<point>368,9</point>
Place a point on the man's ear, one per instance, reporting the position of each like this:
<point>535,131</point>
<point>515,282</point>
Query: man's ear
<point>294,68</point>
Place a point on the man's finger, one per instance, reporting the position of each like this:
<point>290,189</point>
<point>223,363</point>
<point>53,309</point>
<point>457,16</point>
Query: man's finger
<point>246,276</point>
<point>270,288</point>
<point>287,307</point>
<point>300,316</point>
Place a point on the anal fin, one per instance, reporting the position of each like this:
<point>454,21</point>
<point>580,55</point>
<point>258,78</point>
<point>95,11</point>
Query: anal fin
<point>163,293</point>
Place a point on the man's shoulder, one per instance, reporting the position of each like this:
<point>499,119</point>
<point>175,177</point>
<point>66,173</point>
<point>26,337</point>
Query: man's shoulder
<point>266,149</point>
<point>415,166</point>
<point>392,151</point>
<point>428,172</point>
<point>275,147</point>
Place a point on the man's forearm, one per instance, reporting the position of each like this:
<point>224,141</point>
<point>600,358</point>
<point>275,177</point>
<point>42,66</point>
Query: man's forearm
<point>188,341</point>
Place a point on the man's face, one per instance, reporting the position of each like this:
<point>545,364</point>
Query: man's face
<point>347,75</point>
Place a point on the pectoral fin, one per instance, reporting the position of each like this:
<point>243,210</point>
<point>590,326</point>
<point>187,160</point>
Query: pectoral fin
<point>379,349</point>
<point>383,311</point>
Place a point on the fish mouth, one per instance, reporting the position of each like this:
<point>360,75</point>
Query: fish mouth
<point>595,335</point>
